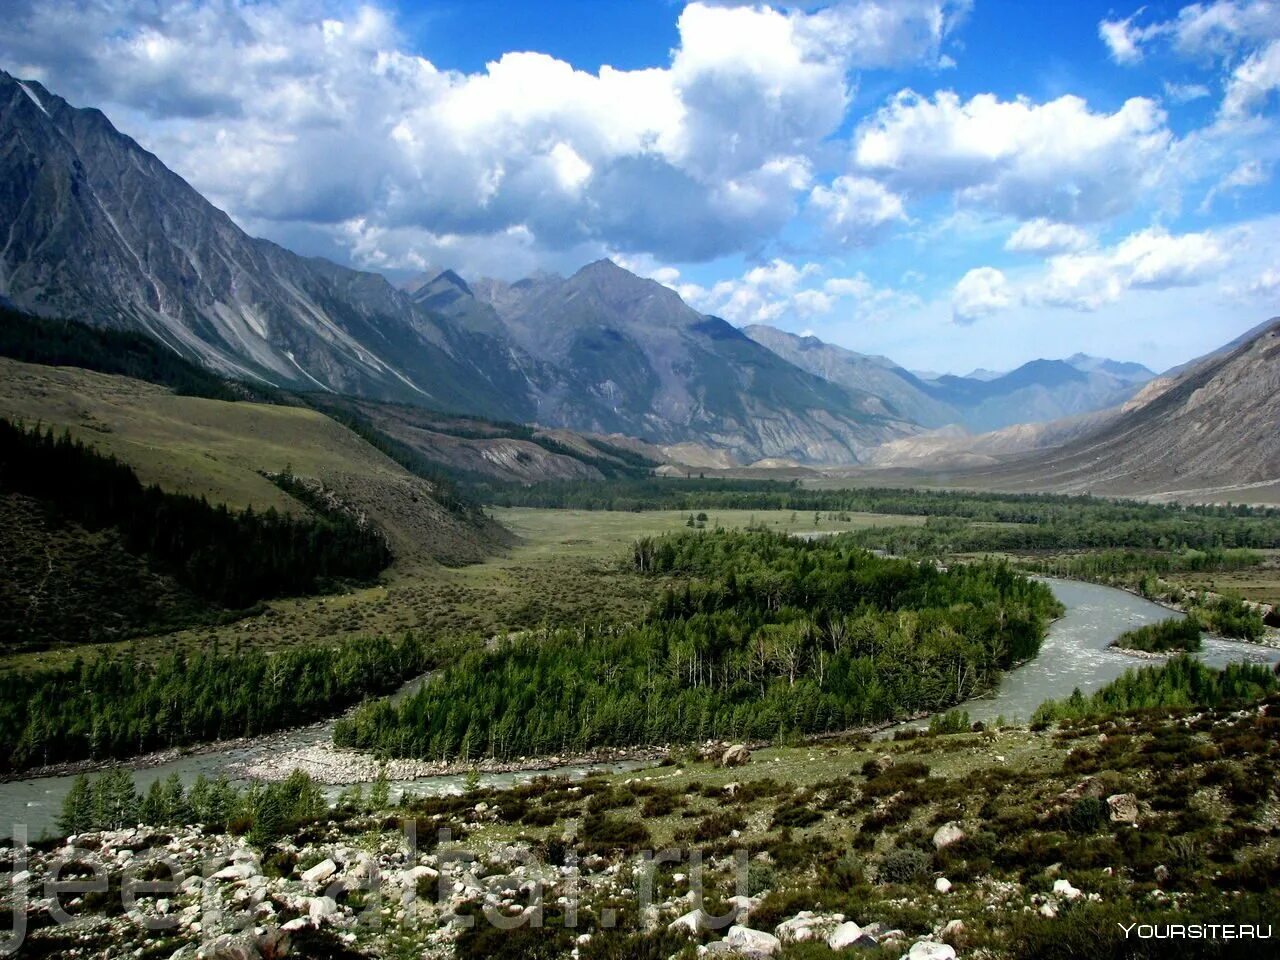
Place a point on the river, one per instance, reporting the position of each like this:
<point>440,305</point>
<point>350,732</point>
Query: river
<point>1075,654</point>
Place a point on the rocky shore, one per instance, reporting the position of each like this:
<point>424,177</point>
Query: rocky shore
<point>335,766</point>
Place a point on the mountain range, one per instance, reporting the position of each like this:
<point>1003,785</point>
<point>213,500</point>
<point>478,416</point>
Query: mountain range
<point>100,230</point>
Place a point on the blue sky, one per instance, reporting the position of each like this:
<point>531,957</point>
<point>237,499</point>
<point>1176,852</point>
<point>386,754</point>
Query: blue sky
<point>952,183</point>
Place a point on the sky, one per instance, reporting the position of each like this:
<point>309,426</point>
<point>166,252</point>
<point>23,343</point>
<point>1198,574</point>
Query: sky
<point>950,183</point>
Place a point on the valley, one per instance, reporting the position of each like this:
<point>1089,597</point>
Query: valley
<point>561,602</point>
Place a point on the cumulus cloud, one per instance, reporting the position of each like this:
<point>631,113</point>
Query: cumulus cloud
<point>1244,35</point>
<point>286,112</point>
<point>1206,31</point>
<point>855,209</point>
<point>780,290</point>
<point>980,293</point>
<point>1044,236</point>
<point>1058,160</point>
<point>1151,259</point>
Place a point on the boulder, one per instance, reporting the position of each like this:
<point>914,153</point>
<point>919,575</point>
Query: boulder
<point>806,925</point>
<point>237,871</point>
<point>942,885</point>
<point>693,922</point>
<point>321,872</point>
<point>954,933</point>
<point>321,907</point>
<point>930,950</point>
<point>1123,807</point>
<point>1063,888</point>
<point>229,947</point>
<point>849,934</point>
<point>947,834</point>
<point>736,756</point>
<point>752,943</point>
<point>884,762</point>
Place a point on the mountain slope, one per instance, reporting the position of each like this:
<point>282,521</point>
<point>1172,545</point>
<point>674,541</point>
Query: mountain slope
<point>901,390</point>
<point>1210,430</point>
<point>223,451</point>
<point>629,356</point>
<point>101,230</point>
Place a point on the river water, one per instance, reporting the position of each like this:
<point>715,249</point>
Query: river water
<point>1074,654</point>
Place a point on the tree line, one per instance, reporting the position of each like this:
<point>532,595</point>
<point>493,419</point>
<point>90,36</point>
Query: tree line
<point>1181,683</point>
<point>119,707</point>
<point>265,812</point>
<point>775,637</point>
<point>231,558</point>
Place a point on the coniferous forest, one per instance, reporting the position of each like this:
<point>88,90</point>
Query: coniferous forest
<point>229,558</point>
<point>116,707</point>
<point>775,636</point>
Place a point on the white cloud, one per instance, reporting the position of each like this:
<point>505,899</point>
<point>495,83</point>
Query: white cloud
<point>1151,259</point>
<point>293,113</point>
<point>980,293</point>
<point>1265,286</point>
<point>1057,160</point>
<point>1247,173</point>
<point>1044,236</point>
<point>778,290</point>
<point>855,209</point>
<point>1185,92</point>
<point>1123,39</point>
<point>1206,31</point>
<point>1252,82</point>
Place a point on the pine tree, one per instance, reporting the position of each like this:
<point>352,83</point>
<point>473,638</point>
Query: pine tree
<point>77,808</point>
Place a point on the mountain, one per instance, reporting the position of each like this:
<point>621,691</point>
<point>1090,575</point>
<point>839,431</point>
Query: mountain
<point>901,390</point>
<point>1121,370</point>
<point>984,401</point>
<point>99,229</point>
<point>617,353</point>
<point>1208,432</point>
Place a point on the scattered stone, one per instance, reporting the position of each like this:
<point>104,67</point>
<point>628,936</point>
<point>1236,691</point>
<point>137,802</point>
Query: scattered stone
<point>947,834</point>
<point>942,885</point>
<point>954,933</point>
<point>884,762</point>
<point>1161,873</point>
<point>1124,808</point>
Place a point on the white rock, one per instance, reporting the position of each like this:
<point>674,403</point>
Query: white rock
<point>753,943</point>
<point>695,921</point>
<point>947,834</point>
<point>1065,889</point>
<point>237,871</point>
<point>321,907</point>
<point>846,935</point>
<point>930,950</point>
<point>321,872</point>
<point>1048,910</point>
<point>942,885</point>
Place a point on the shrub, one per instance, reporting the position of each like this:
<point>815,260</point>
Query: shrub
<point>906,866</point>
